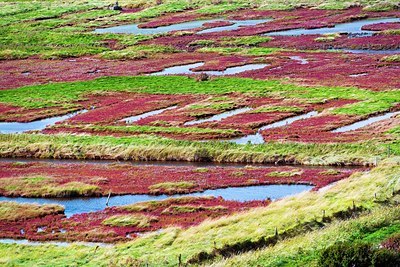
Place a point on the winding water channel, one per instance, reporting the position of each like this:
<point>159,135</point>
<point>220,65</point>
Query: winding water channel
<point>20,127</point>
<point>363,123</point>
<point>353,28</point>
<point>82,205</point>
<point>187,69</point>
<point>136,118</point>
<point>257,137</point>
<point>219,117</point>
<point>134,28</point>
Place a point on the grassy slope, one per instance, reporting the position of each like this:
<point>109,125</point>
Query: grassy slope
<point>304,250</point>
<point>290,214</point>
<point>155,148</point>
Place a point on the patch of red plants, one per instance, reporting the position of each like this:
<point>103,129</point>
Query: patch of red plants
<point>331,69</point>
<point>133,105</point>
<point>178,117</point>
<point>170,19</point>
<point>382,26</point>
<point>217,24</point>
<point>28,115</point>
<point>127,179</point>
<point>310,42</point>
<point>248,122</point>
<point>244,123</point>
<point>318,130</point>
<point>392,243</point>
<point>131,10</point>
<point>90,227</point>
<point>130,179</point>
<point>121,132</point>
<point>89,68</point>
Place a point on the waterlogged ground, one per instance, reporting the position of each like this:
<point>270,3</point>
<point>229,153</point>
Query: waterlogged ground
<point>229,82</point>
<point>351,52</point>
<point>214,190</point>
<point>152,196</point>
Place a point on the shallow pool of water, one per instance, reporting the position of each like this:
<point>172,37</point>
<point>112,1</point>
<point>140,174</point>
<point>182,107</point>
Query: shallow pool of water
<point>301,60</point>
<point>364,123</point>
<point>236,25</point>
<point>134,29</point>
<point>369,51</point>
<point>220,116</point>
<point>257,137</point>
<point>187,69</point>
<point>136,118</point>
<point>20,127</point>
<point>82,205</point>
<point>353,28</point>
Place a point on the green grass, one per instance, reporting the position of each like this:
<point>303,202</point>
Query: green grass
<point>221,103</point>
<point>290,173</point>
<point>174,209</point>
<point>327,37</point>
<point>12,211</point>
<point>202,43</point>
<point>252,51</point>
<point>330,172</point>
<point>129,220</point>
<point>39,186</point>
<point>53,30</point>
<point>245,40</point>
<point>393,58</point>
<point>276,109</point>
<point>395,131</point>
<point>172,187</point>
<point>139,129</point>
<point>138,52</point>
<point>56,94</point>
<point>305,249</point>
<point>155,148</point>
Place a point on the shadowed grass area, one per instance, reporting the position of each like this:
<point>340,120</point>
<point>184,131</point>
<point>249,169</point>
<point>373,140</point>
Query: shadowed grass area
<point>139,129</point>
<point>12,211</point>
<point>45,187</point>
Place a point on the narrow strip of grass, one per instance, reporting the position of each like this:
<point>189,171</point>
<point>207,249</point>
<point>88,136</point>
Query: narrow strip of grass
<point>156,148</point>
<point>139,129</point>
